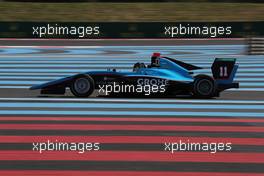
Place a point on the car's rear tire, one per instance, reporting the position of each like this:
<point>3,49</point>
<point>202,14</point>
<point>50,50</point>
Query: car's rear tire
<point>82,86</point>
<point>204,86</point>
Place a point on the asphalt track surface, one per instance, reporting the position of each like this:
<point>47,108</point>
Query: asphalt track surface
<point>131,131</point>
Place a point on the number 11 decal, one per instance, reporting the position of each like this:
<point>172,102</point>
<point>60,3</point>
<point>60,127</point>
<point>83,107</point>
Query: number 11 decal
<point>223,71</point>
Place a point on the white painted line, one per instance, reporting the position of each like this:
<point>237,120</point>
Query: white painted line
<point>123,56</point>
<point>48,46</point>
<point>49,78</point>
<point>204,62</point>
<point>105,64</point>
<point>64,55</point>
<point>135,113</point>
<point>247,89</point>
<point>14,87</point>
<point>118,46</point>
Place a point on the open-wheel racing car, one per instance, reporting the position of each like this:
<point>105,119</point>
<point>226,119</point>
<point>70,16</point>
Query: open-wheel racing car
<point>164,76</point>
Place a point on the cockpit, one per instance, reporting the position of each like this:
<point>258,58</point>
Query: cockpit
<point>155,62</point>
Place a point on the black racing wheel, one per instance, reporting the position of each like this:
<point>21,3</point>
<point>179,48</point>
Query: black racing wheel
<point>82,86</point>
<point>204,86</point>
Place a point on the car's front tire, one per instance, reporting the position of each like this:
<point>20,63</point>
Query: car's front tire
<point>82,86</point>
<point>204,86</point>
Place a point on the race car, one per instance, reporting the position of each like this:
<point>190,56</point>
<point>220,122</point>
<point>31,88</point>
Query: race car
<point>162,77</point>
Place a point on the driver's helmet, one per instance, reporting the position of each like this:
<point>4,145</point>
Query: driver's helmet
<point>155,60</point>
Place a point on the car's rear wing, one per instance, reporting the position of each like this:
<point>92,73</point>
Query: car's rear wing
<point>224,70</point>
